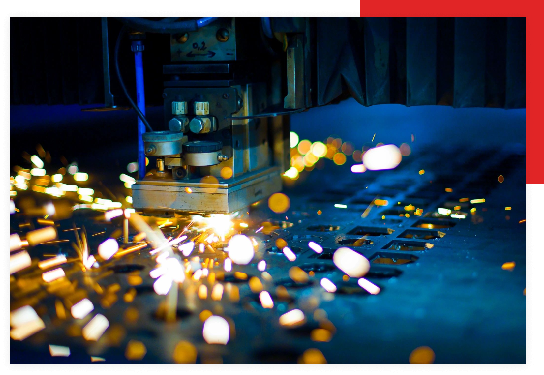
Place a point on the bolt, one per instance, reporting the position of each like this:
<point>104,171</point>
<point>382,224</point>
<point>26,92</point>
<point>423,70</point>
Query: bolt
<point>196,125</point>
<point>222,35</point>
<point>175,125</point>
<point>221,157</point>
<point>164,95</point>
<point>150,150</point>
<point>226,96</point>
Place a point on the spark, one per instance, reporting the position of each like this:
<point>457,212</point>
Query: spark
<point>59,351</point>
<point>187,248</point>
<point>56,177</point>
<point>80,176</point>
<point>38,172</point>
<point>216,330</point>
<point>114,213</point>
<point>108,248</point>
<point>315,247</point>
<point>293,139</point>
<point>59,259</point>
<point>162,285</point>
<point>262,265</point>
<point>328,285</point>
<point>444,211</point>
<point>228,265</point>
<point>95,328</point>
<point>51,276</point>
<point>14,242</point>
<point>25,322</point>
<point>203,292</point>
<point>127,179</point>
<point>368,286</point>
<point>338,205</point>
<point>350,262</point>
<point>509,266</point>
<point>255,284</point>
<point>37,161</point>
<point>382,158</point>
<point>358,168</point>
<point>266,300</point>
<point>479,200</point>
<point>458,216</point>
<point>217,292</point>
<point>289,254</point>
<point>19,261</point>
<point>81,309</point>
<point>291,318</point>
<point>240,249</point>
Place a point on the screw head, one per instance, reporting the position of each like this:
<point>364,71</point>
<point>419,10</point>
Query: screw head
<point>182,38</point>
<point>175,125</point>
<point>222,35</point>
<point>196,125</point>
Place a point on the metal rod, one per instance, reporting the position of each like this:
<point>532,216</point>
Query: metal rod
<point>137,48</point>
<point>108,97</point>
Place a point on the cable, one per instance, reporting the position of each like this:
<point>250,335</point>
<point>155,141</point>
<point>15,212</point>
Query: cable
<point>116,60</point>
<point>162,27</point>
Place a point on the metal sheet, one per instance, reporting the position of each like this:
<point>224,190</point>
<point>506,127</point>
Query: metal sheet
<point>469,66</point>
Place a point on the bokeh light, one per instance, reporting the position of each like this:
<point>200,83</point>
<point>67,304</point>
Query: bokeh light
<point>350,262</point>
<point>382,157</point>
<point>293,139</point>
<point>279,203</point>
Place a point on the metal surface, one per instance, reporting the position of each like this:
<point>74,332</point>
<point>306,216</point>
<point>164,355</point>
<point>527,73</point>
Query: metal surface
<point>163,143</point>
<point>202,159</point>
<point>203,45</point>
<point>295,73</point>
<point>443,281</point>
<point>222,197</point>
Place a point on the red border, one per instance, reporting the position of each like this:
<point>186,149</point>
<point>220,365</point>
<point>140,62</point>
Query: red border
<point>534,55</point>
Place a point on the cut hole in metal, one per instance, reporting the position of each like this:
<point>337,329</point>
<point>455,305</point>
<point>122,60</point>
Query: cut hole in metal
<point>370,231</point>
<point>422,234</point>
<point>393,259</point>
<point>271,225</point>
<point>143,289</point>
<point>288,283</point>
<point>354,241</point>
<point>396,211</point>
<point>408,246</point>
<point>276,298</point>
<point>353,288</point>
<point>323,228</point>
<point>235,278</point>
<point>160,314</point>
<point>433,224</point>
<point>318,267</point>
<point>126,268</point>
<point>275,250</point>
<point>326,254</point>
<point>382,273</point>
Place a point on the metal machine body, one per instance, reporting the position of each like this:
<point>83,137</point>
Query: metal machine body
<point>232,84</point>
<point>209,161</point>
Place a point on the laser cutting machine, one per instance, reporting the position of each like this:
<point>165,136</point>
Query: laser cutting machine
<point>232,82</point>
